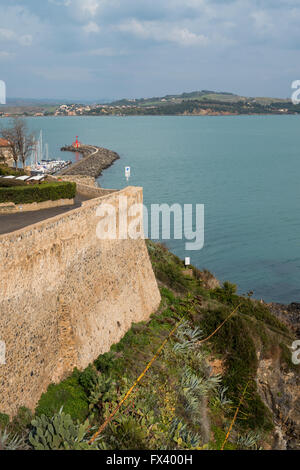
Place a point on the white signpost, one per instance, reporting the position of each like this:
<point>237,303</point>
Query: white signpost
<point>127,172</point>
<point>187,261</point>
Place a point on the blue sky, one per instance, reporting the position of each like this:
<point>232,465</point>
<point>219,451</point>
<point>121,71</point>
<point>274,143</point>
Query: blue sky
<point>92,49</point>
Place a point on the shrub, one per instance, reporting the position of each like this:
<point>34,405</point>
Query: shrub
<point>235,340</point>
<point>8,183</point>
<point>171,275</point>
<point>38,193</point>
<point>105,362</point>
<point>21,422</point>
<point>7,171</point>
<point>69,394</point>
<point>227,295</point>
<point>88,378</point>
<point>4,420</point>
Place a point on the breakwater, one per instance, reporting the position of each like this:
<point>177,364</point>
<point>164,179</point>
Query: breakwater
<point>94,161</point>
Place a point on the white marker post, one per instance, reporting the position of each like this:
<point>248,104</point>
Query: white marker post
<point>127,172</point>
<point>187,261</point>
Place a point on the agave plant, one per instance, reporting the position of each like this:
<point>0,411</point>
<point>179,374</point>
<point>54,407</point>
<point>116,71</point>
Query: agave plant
<point>10,441</point>
<point>187,338</point>
<point>220,399</point>
<point>181,435</point>
<point>249,440</point>
<point>198,385</point>
<point>194,388</point>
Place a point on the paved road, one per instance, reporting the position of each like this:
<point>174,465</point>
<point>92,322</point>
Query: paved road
<point>12,222</point>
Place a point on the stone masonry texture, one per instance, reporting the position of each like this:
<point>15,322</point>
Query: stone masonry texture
<point>66,297</point>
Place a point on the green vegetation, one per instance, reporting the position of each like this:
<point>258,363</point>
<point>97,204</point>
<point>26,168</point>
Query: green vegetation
<point>182,402</point>
<point>240,362</point>
<point>38,193</point>
<point>9,183</point>
<point>69,394</point>
<point>7,171</point>
<point>198,103</point>
<point>4,420</point>
<point>59,433</point>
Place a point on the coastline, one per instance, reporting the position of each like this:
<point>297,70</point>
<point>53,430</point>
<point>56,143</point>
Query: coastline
<point>187,114</point>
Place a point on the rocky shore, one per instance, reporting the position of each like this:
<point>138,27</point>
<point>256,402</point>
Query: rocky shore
<point>94,161</point>
<point>288,314</point>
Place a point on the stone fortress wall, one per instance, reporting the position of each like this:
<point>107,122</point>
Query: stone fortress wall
<point>66,297</point>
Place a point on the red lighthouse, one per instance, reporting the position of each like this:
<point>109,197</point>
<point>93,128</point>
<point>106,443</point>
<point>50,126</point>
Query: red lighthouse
<point>76,144</point>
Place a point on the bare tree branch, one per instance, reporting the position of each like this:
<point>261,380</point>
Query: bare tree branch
<point>21,142</point>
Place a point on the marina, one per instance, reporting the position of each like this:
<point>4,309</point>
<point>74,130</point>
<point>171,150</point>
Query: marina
<point>40,164</point>
<point>48,167</point>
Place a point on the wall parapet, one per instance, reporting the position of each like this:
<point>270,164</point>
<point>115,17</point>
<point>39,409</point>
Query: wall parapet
<point>11,207</point>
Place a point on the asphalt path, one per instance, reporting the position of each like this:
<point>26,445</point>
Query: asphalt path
<point>12,222</point>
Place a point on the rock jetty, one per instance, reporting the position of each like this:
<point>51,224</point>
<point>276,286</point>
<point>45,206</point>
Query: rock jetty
<point>94,161</point>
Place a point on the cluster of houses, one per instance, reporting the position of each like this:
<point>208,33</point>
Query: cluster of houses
<point>80,110</point>
<point>71,110</point>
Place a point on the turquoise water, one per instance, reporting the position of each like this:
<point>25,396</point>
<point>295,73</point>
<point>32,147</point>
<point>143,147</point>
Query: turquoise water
<point>245,170</point>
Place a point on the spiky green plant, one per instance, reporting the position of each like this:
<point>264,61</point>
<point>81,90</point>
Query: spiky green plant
<point>220,400</point>
<point>249,440</point>
<point>186,338</point>
<point>198,385</point>
<point>9,441</point>
<point>180,434</point>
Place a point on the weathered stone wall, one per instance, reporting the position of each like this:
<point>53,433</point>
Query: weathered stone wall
<point>92,192</point>
<point>81,179</point>
<point>34,206</point>
<point>66,297</point>
<point>85,185</point>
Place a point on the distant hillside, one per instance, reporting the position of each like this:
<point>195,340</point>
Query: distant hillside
<point>204,95</point>
<point>195,103</point>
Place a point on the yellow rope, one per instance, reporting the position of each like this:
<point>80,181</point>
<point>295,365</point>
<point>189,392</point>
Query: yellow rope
<point>235,416</point>
<point>108,420</point>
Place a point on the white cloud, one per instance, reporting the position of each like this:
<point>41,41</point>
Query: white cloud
<point>107,52</point>
<point>262,21</point>
<point>91,27</point>
<point>9,35</point>
<point>90,6</point>
<point>20,27</point>
<point>86,8</point>
<point>160,31</point>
